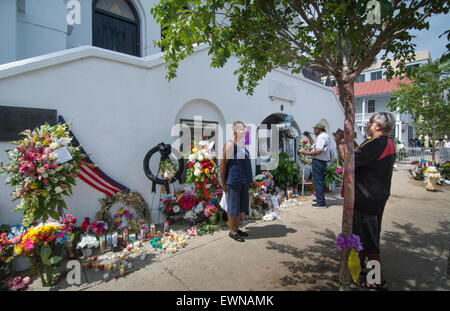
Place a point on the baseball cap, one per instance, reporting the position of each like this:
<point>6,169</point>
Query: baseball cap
<point>320,126</point>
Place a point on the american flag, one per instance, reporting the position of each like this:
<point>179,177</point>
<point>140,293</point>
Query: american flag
<point>91,174</point>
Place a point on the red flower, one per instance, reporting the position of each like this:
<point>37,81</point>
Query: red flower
<point>170,209</point>
<point>191,164</point>
<point>167,201</point>
<point>197,186</point>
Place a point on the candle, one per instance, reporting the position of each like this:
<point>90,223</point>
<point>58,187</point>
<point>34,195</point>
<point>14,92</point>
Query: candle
<point>121,272</point>
<point>114,266</point>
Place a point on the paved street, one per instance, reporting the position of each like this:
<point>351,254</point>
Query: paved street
<point>297,251</point>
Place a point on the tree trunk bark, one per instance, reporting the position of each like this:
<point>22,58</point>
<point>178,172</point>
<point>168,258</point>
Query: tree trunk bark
<point>349,166</point>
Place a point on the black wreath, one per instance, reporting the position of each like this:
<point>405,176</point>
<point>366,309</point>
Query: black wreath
<point>165,150</point>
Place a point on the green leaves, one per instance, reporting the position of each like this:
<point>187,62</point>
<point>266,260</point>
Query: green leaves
<point>426,99</point>
<point>331,35</point>
<point>46,251</point>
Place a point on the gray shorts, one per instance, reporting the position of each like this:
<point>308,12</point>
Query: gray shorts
<point>237,199</point>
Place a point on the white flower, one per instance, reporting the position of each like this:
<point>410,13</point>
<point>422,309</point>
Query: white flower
<point>200,157</point>
<point>44,175</point>
<point>176,208</point>
<point>54,146</point>
<point>191,158</point>
<point>197,173</point>
<point>41,170</point>
<point>38,144</point>
<point>189,214</point>
<point>58,190</point>
<point>52,156</point>
<point>197,166</point>
<point>64,141</point>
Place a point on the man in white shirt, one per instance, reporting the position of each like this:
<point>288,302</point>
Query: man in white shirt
<point>320,153</point>
<point>447,144</point>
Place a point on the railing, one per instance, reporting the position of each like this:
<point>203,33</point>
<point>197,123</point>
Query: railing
<point>409,154</point>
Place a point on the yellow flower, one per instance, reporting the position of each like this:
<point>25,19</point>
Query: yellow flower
<point>33,185</point>
<point>207,171</point>
<point>44,193</point>
<point>118,219</point>
<point>194,150</point>
<point>120,211</point>
<point>196,179</point>
<point>45,143</point>
<point>8,260</point>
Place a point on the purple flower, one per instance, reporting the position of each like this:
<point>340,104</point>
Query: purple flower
<point>352,242</point>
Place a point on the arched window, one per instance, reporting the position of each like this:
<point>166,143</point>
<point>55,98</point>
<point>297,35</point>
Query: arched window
<point>116,26</point>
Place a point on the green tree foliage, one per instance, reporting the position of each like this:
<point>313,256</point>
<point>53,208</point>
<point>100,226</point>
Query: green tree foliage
<point>426,99</point>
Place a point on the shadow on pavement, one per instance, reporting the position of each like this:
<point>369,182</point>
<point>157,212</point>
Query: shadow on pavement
<point>317,267</point>
<point>416,260</point>
<point>268,231</point>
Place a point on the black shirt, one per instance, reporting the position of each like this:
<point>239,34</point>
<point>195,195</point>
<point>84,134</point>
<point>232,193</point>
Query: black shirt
<point>374,161</point>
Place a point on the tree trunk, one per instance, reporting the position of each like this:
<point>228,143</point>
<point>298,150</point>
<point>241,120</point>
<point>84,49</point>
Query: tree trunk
<point>433,148</point>
<point>349,165</point>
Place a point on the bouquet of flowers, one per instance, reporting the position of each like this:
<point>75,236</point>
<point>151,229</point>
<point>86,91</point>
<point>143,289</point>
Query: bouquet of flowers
<point>186,202</point>
<point>40,245</point>
<point>168,168</point>
<point>97,227</point>
<point>210,210</point>
<point>37,175</point>
<point>202,170</point>
<point>416,172</point>
<point>88,241</point>
<point>304,145</point>
<point>333,175</point>
<point>170,207</point>
<point>6,254</point>
<point>121,218</point>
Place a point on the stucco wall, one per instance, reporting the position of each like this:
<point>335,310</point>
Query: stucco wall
<point>121,107</point>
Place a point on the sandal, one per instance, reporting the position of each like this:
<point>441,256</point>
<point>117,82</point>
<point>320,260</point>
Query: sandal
<point>362,282</point>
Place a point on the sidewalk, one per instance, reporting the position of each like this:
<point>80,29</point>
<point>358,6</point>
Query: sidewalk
<point>297,251</point>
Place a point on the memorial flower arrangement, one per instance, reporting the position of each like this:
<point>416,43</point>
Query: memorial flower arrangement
<point>38,176</point>
<point>304,145</point>
<point>88,241</point>
<point>210,210</point>
<point>6,249</point>
<point>122,217</point>
<point>96,227</point>
<point>416,172</point>
<point>168,168</point>
<point>41,245</point>
<point>333,176</point>
<point>186,201</point>
<point>202,170</point>
<point>170,207</point>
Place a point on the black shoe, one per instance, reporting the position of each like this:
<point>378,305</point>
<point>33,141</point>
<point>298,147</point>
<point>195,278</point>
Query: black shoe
<point>316,205</point>
<point>236,237</point>
<point>242,233</point>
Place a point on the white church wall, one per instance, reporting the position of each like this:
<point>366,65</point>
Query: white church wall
<point>120,107</point>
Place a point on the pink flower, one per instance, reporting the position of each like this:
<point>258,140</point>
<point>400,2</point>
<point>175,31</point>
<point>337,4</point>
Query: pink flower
<point>26,280</point>
<point>29,246</point>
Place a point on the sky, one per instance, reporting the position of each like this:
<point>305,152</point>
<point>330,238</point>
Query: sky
<point>429,39</point>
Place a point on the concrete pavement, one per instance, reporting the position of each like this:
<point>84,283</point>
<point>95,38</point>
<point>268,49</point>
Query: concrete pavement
<point>296,252</point>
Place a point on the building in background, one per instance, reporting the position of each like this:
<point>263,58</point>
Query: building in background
<point>373,92</point>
